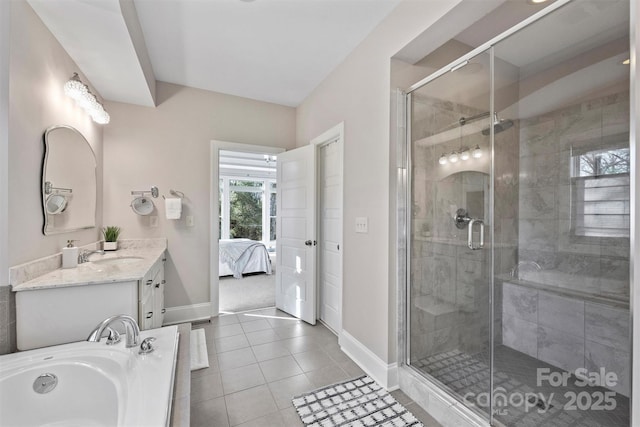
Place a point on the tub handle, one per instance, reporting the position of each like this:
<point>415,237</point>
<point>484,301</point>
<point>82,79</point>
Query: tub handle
<point>146,345</point>
<point>150,315</point>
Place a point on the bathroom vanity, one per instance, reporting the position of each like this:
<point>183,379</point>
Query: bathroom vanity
<point>64,305</point>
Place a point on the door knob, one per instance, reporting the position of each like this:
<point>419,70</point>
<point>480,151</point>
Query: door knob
<point>308,243</point>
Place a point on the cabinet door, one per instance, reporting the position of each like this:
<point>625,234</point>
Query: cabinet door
<point>146,313</point>
<point>158,299</point>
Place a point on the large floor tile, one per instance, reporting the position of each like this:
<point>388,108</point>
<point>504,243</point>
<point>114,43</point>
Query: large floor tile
<point>262,337</point>
<point>291,417</point>
<point>221,331</point>
<point>273,419</point>
<point>255,325</point>
<point>270,350</point>
<point>301,344</point>
<point>328,375</point>
<point>249,404</point>
<point>284,390</point>
<point>206,387</point>
<point>210,413</point>
<point>241,378</point>
<point>277,369</point>
<point>231,343</point>
<point>236,358</point>
<point>313,360</point>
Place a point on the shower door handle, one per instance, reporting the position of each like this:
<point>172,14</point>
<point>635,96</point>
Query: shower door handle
<point>470,243</point>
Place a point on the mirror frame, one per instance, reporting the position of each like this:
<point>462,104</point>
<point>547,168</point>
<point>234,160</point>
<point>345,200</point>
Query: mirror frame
<point>47,152</point>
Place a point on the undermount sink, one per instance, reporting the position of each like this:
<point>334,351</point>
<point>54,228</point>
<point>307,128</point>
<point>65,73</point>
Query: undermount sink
<point>117,260</point>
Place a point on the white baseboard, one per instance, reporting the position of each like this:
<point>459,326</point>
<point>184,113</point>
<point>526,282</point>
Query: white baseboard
<point>385,374</point>
<point>187,313</point>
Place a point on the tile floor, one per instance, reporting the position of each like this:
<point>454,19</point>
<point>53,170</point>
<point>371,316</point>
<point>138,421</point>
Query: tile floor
<point>516,374</point>
<point>258,361</point>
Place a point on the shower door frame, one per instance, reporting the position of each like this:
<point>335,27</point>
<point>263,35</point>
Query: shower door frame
<point>403,185</point>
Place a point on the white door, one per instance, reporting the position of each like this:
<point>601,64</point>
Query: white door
<point>296,234</point>
<point>330,236</point>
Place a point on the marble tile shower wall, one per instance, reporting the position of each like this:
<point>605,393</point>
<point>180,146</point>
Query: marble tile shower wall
<point>568,332</point>
<point>450,284</point>
<point>595,265</point>
<point>582,318</point>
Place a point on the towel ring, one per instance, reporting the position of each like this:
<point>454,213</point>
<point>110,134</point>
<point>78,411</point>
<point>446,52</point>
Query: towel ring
<point>175,193</point>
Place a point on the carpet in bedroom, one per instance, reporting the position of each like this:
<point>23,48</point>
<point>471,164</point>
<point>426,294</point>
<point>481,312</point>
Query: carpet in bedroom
<point>251,292</point>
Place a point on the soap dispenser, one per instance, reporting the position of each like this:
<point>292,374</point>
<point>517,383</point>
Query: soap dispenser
<point>70,255</point>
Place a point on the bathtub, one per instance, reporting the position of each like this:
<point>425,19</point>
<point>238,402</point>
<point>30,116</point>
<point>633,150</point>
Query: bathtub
<point>97,384</point>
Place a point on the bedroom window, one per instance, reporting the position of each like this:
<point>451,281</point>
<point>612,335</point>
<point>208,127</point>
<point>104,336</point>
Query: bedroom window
<point>247,209</point>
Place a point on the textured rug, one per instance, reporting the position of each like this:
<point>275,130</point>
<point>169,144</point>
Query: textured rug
<point>355,403</point>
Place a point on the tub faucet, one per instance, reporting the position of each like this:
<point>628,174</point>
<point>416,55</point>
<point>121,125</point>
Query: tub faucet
<point>85,254</point>
<point>516,268</point>
<point>130,326</point>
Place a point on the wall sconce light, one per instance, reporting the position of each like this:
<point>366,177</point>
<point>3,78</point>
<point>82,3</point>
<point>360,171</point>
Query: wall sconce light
<point>477,152</point>
<point>80,92</point>
<point>461,155</point>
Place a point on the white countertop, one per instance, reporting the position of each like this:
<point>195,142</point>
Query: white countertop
<point>90,273</point>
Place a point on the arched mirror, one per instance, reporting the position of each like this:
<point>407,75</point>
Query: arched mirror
<point>68,181</point>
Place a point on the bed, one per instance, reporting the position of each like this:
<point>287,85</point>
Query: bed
<point>241,256</point>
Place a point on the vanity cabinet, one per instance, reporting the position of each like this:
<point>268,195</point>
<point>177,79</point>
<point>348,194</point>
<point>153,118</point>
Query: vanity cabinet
<point>151,297</point>
<point>66,305</point>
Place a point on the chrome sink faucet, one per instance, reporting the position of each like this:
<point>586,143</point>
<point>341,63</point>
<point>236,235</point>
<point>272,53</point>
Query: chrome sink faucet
<point>130,326</point>
<point>85,254</point>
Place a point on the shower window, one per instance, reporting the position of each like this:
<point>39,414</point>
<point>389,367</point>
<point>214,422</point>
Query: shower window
<point>600,185</point>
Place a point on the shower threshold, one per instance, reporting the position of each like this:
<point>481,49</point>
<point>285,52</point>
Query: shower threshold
<point>520,400</point>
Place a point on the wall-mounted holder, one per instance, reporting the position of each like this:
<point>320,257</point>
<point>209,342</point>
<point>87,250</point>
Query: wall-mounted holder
<point>49,188</point>
<point>174,193</point>
<point>142,205</point>
<point>153,191</point>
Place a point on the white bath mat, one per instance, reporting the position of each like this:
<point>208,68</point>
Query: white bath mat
<point>199,356</point>
<point>359,402</point>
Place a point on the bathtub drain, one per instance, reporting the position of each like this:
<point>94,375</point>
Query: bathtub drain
<point>45,383</point>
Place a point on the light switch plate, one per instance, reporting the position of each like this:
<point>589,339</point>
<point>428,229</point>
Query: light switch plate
<point>153,221</point>
<point>362,225</point>
<point>189,221</point>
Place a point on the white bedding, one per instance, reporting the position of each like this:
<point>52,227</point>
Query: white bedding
<point>241,256</point>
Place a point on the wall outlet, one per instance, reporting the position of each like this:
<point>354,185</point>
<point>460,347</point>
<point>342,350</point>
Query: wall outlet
<point>362,225</point>
<point>153,221</point>
<point>189,221</point>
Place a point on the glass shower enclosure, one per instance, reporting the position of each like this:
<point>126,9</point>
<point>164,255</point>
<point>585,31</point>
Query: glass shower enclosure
<point>518,204</point>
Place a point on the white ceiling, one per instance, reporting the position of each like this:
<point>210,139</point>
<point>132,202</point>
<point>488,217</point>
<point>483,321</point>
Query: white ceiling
<point>270,50</point>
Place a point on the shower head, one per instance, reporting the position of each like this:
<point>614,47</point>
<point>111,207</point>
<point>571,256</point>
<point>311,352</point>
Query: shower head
<point>499,125</point>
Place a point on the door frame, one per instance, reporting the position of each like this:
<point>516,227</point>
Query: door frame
<point>214,247</point>
<point>336,133</point>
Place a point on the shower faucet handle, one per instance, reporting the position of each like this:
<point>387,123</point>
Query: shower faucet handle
<point>461,218</point>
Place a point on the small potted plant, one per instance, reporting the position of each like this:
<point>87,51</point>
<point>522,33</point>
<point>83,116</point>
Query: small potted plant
<point>110,234</point>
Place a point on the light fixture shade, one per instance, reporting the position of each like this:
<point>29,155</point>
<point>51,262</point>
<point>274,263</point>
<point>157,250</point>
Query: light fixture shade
<point>477,152</point>
<point>464,154</point>
<point>75,89</point>
<point>78,91</point>
<point>442,160</point>
<point>453,157</point>
<point>101,117</point>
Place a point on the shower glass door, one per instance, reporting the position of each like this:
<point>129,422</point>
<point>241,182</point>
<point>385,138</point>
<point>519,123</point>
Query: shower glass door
<point>450,218</point>
<point>519,216</point>
<point>561,219</point>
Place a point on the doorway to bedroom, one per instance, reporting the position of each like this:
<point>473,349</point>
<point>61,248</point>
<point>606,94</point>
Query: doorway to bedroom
<point>247,212</point>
